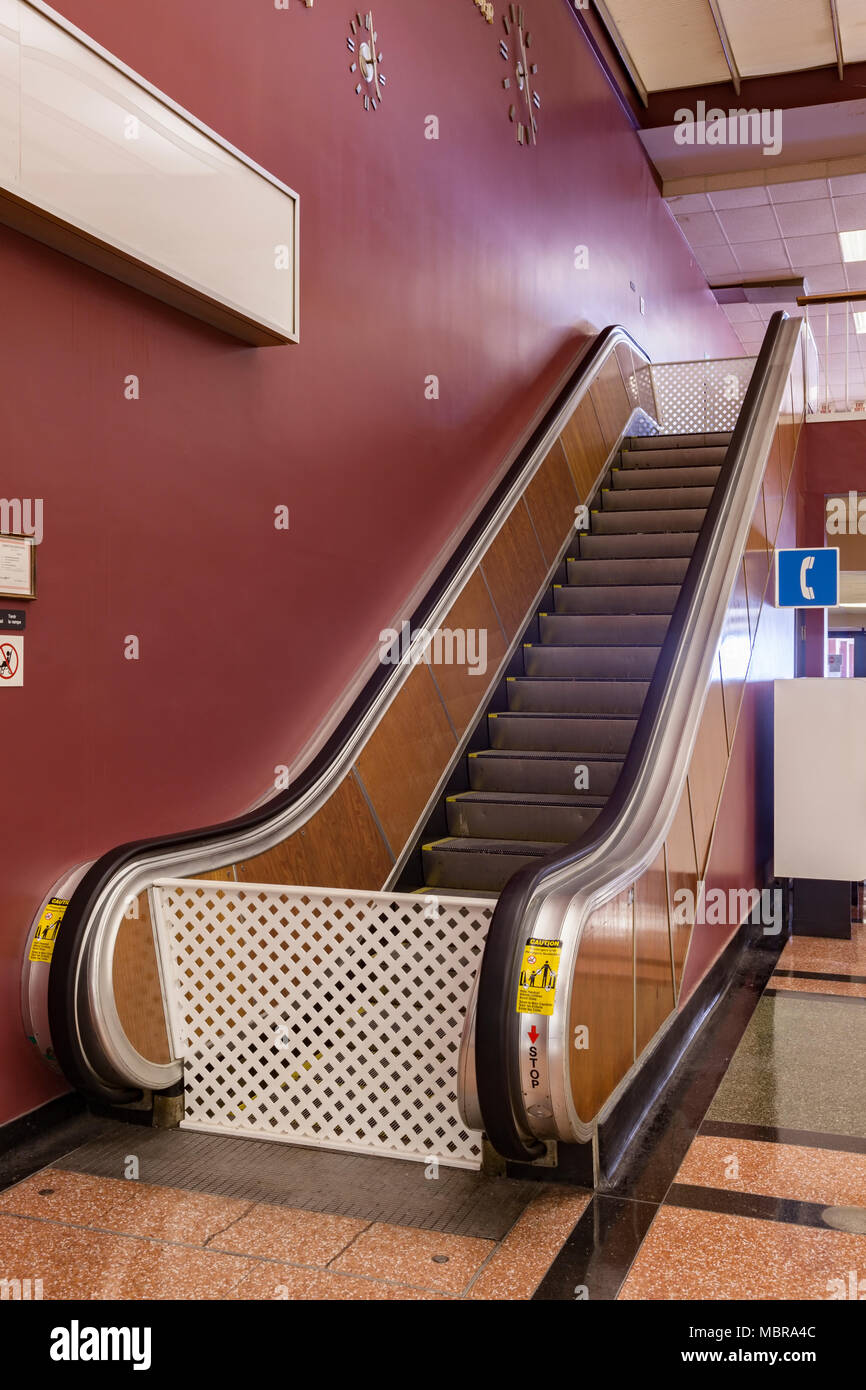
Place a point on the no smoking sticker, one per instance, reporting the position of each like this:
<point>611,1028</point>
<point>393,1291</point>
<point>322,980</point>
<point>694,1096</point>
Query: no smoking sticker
<point>539,969</point>
<point>11,659</point>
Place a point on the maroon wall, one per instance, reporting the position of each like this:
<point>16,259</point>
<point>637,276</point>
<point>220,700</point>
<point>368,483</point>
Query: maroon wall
<point>835,462</point>
<point>452,257</point>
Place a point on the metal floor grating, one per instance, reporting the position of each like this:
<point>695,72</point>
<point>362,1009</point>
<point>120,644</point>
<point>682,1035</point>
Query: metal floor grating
<point>390,1190</point>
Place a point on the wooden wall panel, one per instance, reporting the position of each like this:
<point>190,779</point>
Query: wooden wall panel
<point>707,769</point>
<point>773,490</point>
<point>406,756</point>
<point>514,568</point>
<point>611,402</point>
<point>551,498</point>
<point>653,976</point>
<point>788,429</point>
<point>735,650</point>
<point>462,691</point>
<point>682,871</point>
<point>137,992</point>
<point>757,563</point>
<point>340,847</point>
<point>585,448</point>
<point>603,1001</point>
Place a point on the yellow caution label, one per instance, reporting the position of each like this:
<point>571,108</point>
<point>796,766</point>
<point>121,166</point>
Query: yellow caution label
<point>538,975</point>
<point>42,946</point>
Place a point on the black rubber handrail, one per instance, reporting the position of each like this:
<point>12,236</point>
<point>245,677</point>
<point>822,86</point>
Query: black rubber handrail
<point>62,983</point>
<point>497,1021</point>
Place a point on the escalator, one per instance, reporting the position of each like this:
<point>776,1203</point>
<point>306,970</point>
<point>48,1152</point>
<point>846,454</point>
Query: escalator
<point>554,808</point>
<point>562,721</point>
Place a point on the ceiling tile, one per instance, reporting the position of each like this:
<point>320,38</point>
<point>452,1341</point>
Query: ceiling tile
<point>738,197</point>
<point>848,184</point>
<point>814,250</point>
<point>749,224</point>
<point>806,219</point>
<point>855,272</point>
<point>851,212</point>
<point>741,313</point>
<point>689,202</point>
<point>750,333</point>
<point>826,279</point>
<point>799,192</point>
<point>755,256</point>
<point>716,260</point>
<point>702,229</point>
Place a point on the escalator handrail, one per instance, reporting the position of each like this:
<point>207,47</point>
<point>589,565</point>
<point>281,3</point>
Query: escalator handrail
<point>497,1079</point>
<point>86,1036</point>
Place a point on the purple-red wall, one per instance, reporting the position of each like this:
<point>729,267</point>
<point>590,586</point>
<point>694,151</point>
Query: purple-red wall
<point>453,257</point>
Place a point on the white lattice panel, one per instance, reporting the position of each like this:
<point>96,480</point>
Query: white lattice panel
<point>700,397</point>
<point>322,1017</point>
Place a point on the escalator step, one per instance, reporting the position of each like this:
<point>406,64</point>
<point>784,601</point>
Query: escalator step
<point>479,864</point>
<point>603,629</point>
<point>642,522</point>
<point>661,570</point>
<point>615,598</point>
<point>570,695</point>
<point>552,774</point>
<point>655,442</point>
<point>637,499</point>
<point>598,663</point>
<point>686,475</point>
<point>521,816</point>
<point>560,733</point>
<point>670,544</point>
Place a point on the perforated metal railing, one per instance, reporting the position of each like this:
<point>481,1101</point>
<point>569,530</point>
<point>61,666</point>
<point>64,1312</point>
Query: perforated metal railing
<point>321,1017</point>
<point>693,397</point>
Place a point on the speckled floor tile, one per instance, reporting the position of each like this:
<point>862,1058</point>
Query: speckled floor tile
<point>784,983</point>
<point>283,1233</point>
<point>170,1213</point>
<point>125,1206</point>
<point>799,1065</point>
<point>826,953</point>
<point>78,1264</point>
<point>706,1256</point>
<point>776,1170</point>
<point>58,1196</point>
<point>522,1260</point>
<point>276,1282</point>
<point>424,1259</point>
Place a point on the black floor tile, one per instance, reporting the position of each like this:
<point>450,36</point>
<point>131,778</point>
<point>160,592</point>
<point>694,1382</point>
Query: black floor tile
<point>598,1254</point>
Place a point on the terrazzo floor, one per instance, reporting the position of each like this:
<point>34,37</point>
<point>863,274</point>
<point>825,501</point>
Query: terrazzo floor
<point>747,1181</point>
<point>769,1201</point>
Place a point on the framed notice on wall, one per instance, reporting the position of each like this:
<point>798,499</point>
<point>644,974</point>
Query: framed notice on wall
<point>17,567</point>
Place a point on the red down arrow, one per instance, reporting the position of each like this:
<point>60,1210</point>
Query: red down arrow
<point>533,1033</point>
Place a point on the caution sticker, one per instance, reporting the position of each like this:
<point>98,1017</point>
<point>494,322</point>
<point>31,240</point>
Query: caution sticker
<point>42,946</point>
<point>538,974</point>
